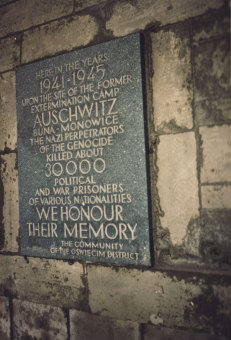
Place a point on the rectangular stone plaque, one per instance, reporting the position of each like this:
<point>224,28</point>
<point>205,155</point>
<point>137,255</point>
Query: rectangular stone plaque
<point>82,155</point>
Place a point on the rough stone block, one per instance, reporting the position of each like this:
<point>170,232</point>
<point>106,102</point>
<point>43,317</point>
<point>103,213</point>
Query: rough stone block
<point>212,82</point>
<point>213,111</point>
<point>36,321</point>
<point>83,4</point>
<point>212,61</point>
<point>43,281</point>
<point>216,154</point>
<point>216,196</point>
<point>215,243</point>
<point>21,15</point>
<point>152,332</point>
<point>126,17</point>
<point>10,53</point>
<point>9,223</point>
<point>172,80</point>
<point>177,184</point>
<point>4,318</point>
<point>8,131</point>
<point>84,326</point>
<point>117,293</point>
<point>158,297</point>
<point>63,35</point>
<point>211,26</point>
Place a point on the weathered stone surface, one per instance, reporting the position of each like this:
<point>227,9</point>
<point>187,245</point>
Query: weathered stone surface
<point>146,296</point>
<point>117,293</point>
<point>216,154</point>
<point>23,14</point>
<point>37,321</point>
<point>4,318</point>
<point>211,26</point>
<point>215,243</point>
<point>43,281</point>
<point>216,196</point>
<point>8,131</point>
<point>212,111</point>
<point>9,225</point>
<point>83,4</point>
<point>128,17</point>
<point>212,61</point>
<point>212,82</point>
<point>10,53</point>
<point>4,2</point>
<point>152,332</point>
<point>177,183</point>
<point>84,326</point>
<point>63,35</point>
<point>172,81</point>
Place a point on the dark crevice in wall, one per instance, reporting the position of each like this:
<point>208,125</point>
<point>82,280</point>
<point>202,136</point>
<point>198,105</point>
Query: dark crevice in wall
<point>8,3</point>
<point>185,271</point>
<point>67,315</point>
<point>142,330</point>
<point>85,290</point>
<point>216,183</point>
<point>20,52</point>
<point>7,151</point>
<point>2,231</point>
<point>73,8</point>
<point>199,159</point>
<point>148,118</point>
<point>93,7</point>
<point>11,318</point>
<point>9,253</point>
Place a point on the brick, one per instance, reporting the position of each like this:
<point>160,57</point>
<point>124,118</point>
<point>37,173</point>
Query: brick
<point>143,296</point>
<point>215,240</point>
<point>128,17</point>
<point>172,80</point>
<point>152,332</point>
<point>212,82</point>
<point>63,35</point>
<point>43,281</point>
<point>37,321</point>
<point>4,318</point>
<point>177,183</point>
<point>83,4</point>
<point>10,53</point>
<point>9,201</point>
<point>216,154</point>
<point>8,131</point>
<point>85,326</point>
<point>24,14</point>
<point>216,196</point>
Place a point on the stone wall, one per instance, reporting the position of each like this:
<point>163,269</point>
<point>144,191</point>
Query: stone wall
<point>186,294</point>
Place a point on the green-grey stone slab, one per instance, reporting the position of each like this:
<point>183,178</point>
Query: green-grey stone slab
<point>103,238</point>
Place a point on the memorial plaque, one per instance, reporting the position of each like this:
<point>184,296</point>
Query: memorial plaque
<point>81,155</point>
